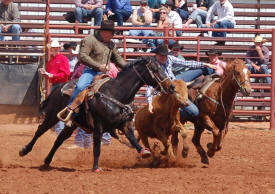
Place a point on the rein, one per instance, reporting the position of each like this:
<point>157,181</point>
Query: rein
<point>153,76</point>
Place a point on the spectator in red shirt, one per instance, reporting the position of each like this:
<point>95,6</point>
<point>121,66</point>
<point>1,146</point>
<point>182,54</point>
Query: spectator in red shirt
<point>58,68</point>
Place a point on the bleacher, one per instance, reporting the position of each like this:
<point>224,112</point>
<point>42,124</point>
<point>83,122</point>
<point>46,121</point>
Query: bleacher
<point>250,15</point>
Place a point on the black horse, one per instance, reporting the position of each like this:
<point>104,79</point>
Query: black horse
<point>109,108</point>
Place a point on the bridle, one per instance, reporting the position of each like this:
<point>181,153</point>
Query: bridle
<point>153,75</point>
<point>240,84</point>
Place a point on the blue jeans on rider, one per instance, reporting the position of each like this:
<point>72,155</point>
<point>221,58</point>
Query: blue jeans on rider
<point>14,29</point>
<point>263,70</point>
<point>192,74</point>
<point>81,12</point>
<point>84,81</point>
<point>190,112</point>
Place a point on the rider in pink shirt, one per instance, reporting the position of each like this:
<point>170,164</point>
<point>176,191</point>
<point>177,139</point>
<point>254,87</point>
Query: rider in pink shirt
<point>214,60</point>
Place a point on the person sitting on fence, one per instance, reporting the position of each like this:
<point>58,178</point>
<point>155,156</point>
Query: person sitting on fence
<point>168,62</point>
<point>89,9</point>
<point>9,13</point>
<point>199,13</point>
<point>118,10</point>
<point>173,16</point>
<point>257,58</point>
<point>225,12</point>
<point>142,17</point>
<point>155,6</point>
<point>182,9</point>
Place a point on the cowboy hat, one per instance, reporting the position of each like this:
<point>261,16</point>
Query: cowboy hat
<point>259,39</point>
<point>213,52</point>
<point>107,25</point>
<point>176,45</point>
<point>161,50</point>
<point>54,44</point>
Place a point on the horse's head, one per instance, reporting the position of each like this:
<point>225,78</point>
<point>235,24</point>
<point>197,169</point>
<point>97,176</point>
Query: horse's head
<point>151,73</point>
<point>241,75</point>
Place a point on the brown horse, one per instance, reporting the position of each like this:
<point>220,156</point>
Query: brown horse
<point>165,119</point>
<point>216,105</point>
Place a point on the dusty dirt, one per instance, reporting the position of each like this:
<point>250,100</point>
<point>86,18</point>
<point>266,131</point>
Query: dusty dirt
<point>245,165</point>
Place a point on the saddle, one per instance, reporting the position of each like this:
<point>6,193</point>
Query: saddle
<point>198,87</point>
<point>65,114</point>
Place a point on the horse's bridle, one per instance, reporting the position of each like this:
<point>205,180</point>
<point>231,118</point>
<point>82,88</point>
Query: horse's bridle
<point>238,82</point>
<point>153,75</point>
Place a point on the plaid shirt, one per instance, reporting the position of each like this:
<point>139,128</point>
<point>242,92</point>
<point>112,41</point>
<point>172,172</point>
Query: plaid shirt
<point>173,61</point>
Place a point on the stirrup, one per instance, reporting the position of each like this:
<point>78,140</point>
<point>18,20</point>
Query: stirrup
<point>61,115</point>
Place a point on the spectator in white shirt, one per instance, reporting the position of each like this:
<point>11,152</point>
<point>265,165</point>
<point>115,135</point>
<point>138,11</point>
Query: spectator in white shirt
<point>225,12</point>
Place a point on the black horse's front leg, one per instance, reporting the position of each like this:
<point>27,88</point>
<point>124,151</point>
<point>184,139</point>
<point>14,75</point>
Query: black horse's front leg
<point>129,133</point>
<point>65,134</point>
<point>48,122</point>
<point>97,146</point>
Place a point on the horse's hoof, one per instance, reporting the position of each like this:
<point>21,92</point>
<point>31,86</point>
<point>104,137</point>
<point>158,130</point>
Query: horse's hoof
<point>184,152</point>
<point>210,153</point>
<point>205,160</point>
<point>145,153</point>
<point>23,152</point>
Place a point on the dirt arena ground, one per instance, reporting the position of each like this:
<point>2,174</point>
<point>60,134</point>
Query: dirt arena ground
<point>245,165</point>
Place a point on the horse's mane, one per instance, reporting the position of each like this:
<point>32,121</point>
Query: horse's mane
<point>140,60</point>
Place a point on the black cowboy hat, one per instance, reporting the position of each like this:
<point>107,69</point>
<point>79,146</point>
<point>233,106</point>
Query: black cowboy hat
<point>107,25</point>
<point>213,52</point>
<point>161,50</point>
<point>176,45</point>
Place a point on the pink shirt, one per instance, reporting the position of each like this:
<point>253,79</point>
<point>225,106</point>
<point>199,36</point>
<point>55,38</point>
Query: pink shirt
<point>113,71</point>
<point>60,68</point>
<point>221,65</point>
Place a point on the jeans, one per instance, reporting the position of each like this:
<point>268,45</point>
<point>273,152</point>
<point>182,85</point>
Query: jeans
<point>120,16</point>
<point>263,70</point>
<point>14,29</point>
<point>190,112</point>
<point>84,81</point>
<point>183,14</point>
<point>223,24</point>
<point>97,13</point>
<point>83,139</point>
<point>199,16</point>
<point>192,74</point>
<point>149,42</point>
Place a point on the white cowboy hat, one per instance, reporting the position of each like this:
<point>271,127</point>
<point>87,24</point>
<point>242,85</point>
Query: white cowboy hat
<point>54,44</point>
<point>259,39</point>
<point>76,51</point>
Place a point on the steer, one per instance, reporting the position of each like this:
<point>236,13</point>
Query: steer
<point>165,120</point>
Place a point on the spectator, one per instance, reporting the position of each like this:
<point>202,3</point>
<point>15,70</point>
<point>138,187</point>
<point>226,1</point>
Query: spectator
<point>71,47</point>
<point>199,13</point>
<point>167,62</point>
<point>225,12</point>
<point>257,58</point>
<point>176,49</point>
<point>142,17</point>
<point>163,22</point>
<point>173,16</point>
<point>89,9</point>
<point>182,9</point>
<point>155,6</point>
<point>118,10</point>
<point>9,13</point>
<point>57,72</point>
